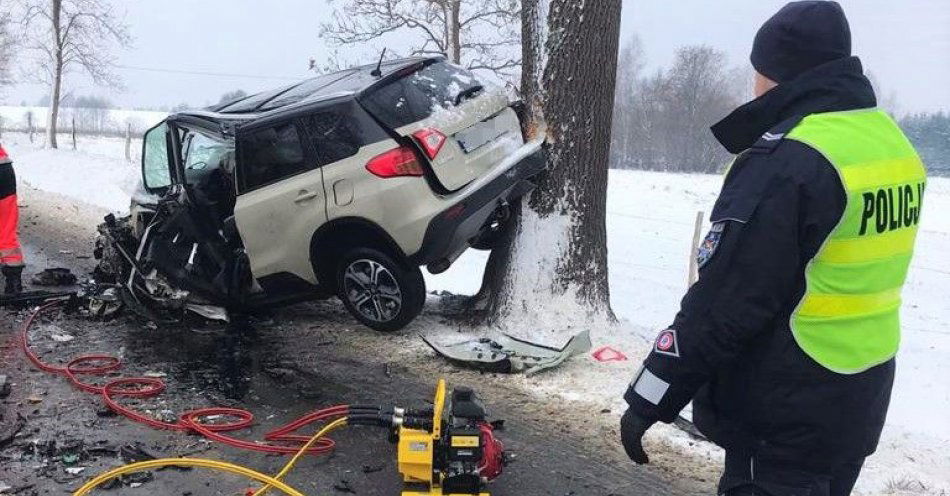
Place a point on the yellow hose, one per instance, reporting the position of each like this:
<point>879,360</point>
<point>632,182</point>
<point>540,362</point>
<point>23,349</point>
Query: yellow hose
<point>185,462</point>
<point>271,482</point>
<point>332,426</point>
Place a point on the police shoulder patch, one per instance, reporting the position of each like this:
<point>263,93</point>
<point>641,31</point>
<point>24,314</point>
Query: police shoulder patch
<point>710,243</point>
<point>769,141</point>
<point>667,344</point>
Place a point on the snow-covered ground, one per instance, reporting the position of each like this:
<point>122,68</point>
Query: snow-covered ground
<point>650,225</point>
<point>96,172</point>
<point>113,120</point>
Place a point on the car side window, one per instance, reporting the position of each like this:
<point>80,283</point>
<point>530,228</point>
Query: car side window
<point>271,154</point>
<point>332,136</point>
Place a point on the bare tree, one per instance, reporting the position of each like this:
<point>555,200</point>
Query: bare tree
<point>91,114</point>
<point>477,34</point>
<point>629,68</point>
<point>930,134</point>
<point>662,122</point>
<point>886,100</point>
<point>553,262</point>
<point>231,96</point>
<point>7,43</point>
<point>702,93</point>
<point>72,35</point>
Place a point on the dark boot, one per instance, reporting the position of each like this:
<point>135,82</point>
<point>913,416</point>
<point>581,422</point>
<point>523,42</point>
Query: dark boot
<point>13,278</point>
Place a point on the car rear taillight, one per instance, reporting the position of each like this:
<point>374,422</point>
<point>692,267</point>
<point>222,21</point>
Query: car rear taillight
<point>431,141</point>
<point>398,162</point>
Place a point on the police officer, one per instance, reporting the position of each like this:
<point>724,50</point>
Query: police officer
<point>11,255</point>
<point>786,343</point>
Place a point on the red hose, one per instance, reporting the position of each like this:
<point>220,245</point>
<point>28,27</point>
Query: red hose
<point>190,421</point>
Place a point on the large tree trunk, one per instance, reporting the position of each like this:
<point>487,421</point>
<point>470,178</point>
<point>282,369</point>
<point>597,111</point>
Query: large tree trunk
<point>552,264</point>
<point>57,73</point>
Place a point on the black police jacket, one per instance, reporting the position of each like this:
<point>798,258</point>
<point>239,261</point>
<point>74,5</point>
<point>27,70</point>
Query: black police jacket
<point>7,178</point>
<point>730,348</point>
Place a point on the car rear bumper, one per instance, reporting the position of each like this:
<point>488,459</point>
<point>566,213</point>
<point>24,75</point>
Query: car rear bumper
<point>452,230</point>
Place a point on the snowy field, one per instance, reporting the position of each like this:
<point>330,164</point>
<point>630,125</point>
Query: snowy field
<point>114,121</point>
<point>650,224</point>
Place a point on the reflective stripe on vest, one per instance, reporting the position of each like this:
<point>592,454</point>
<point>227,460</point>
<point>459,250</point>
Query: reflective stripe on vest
<point>848,319</point>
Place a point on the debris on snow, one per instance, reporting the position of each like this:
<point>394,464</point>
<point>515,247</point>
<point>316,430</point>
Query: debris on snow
<point>507,354</point>
<point>608,354</point>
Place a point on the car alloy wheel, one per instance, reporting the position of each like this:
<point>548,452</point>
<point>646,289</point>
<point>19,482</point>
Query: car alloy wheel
<point>372,290</point>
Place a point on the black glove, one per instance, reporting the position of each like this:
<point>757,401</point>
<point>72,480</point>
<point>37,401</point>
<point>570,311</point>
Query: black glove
<point>632,429</point>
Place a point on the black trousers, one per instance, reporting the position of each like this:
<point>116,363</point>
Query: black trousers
<point>745,476</point>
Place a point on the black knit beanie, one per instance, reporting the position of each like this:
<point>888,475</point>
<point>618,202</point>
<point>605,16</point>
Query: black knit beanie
<point>800,36</point>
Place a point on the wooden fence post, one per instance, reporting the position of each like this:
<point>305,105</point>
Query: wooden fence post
<point>128,141</point>
<point>74,132</point>
<point>29,125</point>
<point>694,250</point>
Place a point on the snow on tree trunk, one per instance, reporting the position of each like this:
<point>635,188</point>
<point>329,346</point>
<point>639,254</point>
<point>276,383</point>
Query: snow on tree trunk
<point>548,281</point>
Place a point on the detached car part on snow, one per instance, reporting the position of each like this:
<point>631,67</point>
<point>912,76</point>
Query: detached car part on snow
<point>507,354</point>
<point>344,184</point>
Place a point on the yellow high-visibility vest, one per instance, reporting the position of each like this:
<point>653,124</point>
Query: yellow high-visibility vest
<point>848,319</point>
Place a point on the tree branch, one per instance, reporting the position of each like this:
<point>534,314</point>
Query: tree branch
<point>488,30</point>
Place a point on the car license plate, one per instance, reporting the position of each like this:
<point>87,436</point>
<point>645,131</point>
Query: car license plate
<point>480,134</point>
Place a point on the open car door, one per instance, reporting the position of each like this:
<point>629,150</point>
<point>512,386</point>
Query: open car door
<point>157,167</point>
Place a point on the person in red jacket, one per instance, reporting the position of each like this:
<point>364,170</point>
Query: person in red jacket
<point>11,255</point>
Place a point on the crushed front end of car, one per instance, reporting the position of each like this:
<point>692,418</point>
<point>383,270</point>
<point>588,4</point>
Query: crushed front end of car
<point>172,266</point>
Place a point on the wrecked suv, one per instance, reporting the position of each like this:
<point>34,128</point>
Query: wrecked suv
<point>344,184</point>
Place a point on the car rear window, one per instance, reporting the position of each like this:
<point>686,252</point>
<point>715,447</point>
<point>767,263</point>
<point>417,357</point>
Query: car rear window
<point>269,155</point>
<point>417,95</point>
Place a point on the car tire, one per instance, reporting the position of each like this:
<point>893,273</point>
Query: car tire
<point>380,292</point>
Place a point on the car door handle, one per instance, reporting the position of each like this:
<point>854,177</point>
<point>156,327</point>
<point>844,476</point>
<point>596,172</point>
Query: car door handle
<point>304,196</point>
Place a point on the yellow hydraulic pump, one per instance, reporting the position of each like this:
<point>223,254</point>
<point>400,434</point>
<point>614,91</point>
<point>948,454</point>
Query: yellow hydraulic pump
<point>452,453</point>
<point>446,450</point>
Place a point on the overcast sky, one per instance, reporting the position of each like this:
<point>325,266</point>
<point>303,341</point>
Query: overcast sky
<point>254,45</point>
